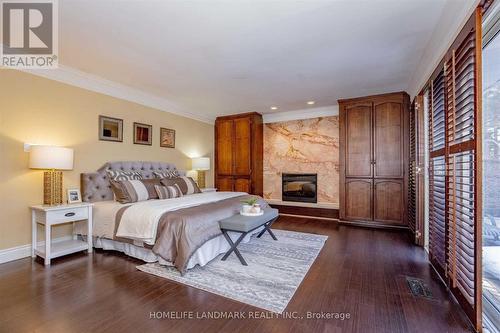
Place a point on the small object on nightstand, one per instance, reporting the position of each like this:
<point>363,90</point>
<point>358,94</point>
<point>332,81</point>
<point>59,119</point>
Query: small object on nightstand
<point>55,215</point>
<point>208,189</point>
<point>74,196</point>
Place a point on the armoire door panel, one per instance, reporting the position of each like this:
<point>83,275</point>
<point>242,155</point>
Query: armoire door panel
<point>242,185</point>
<point>358,156</point>
<point>374,159</point>
<point>388,201</point>
<point>224,146</point>
<point>239,153</point>
<point>242,146</point>
<point>224,184</point>
<point>388,140</point>
<point>358,199</point>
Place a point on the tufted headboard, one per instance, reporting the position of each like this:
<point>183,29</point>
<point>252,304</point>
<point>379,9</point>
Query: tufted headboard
<point>95,185</point>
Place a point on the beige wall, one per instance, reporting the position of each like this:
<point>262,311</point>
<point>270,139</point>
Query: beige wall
<point>303,146</point>
<point>41,111</point>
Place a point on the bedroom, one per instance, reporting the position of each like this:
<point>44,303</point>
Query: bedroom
<point>161,127</point>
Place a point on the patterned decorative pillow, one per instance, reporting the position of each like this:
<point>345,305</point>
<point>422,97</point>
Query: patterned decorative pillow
<point>124,175</point>
<point>166,174</point>
<point>127,191</point>
<point>168,192</point>
<point>186,184</point>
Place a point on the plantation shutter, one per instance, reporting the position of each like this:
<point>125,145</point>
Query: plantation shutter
<point>412,177</point>
<point>437,187</point>
<point>463,97</point>
<point>455,158</point>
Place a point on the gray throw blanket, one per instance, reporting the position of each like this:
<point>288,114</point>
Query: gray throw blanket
<point>181,232</point>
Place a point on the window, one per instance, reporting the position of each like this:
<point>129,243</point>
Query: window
<point>491,169</point>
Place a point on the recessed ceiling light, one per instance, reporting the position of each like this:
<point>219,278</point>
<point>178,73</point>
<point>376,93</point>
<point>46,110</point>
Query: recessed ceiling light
<point>311,102</point>
<point>274,108</point>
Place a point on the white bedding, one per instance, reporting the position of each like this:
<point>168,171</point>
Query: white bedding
<point>104,215</point>
<point>104,218</point>
<point>140,221</point>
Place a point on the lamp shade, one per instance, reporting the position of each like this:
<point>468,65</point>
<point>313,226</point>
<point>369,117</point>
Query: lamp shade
<point>51,157</point>
<point>201,163</point>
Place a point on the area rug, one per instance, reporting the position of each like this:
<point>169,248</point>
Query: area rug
<point>274,272</point>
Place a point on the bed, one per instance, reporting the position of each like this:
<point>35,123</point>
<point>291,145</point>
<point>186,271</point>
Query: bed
<point>181,232</point>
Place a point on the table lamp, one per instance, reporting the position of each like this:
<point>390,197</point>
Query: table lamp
<point>52,159</point>
<point>201,164</point>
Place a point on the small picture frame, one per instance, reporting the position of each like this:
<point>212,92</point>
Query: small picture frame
<point>110,129</point>
<point>167,137</point>
<point>74,195</point>
<point>143,134</point>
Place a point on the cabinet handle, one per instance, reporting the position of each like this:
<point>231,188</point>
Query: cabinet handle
<point>69,214</point>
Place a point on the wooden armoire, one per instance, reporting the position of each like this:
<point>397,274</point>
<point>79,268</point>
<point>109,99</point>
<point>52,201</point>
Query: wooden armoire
<point>374,159</point>
<point>239,153</point>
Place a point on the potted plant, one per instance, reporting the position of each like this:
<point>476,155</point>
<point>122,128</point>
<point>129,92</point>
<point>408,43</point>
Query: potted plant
<point>248,204</point>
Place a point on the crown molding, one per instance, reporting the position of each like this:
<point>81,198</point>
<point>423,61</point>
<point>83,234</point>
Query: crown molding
<point>324,111</point>
<point>77,78</point>
<point>453,18</point>
<point>80,79</point>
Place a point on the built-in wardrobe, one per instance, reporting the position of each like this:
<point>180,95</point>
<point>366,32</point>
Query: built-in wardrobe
<point>374,158</point>
<point>239,153</point>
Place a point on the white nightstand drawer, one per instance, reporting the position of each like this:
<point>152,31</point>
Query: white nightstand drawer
<point>68,215</point>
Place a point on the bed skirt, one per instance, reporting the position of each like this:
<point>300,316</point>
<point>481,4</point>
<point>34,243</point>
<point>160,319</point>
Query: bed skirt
<point>202,256</point>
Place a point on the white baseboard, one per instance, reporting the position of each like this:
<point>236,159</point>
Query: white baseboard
<point>24,251</point>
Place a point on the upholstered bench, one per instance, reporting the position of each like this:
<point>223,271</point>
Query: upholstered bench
<point>244,225</point>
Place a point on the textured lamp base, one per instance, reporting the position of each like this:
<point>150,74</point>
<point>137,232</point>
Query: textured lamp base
<point>52,188</point>
<point>201,179</point>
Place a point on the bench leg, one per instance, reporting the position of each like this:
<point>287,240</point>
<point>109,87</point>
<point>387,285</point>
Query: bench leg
<point>234,247</point>
<point>267,227</point>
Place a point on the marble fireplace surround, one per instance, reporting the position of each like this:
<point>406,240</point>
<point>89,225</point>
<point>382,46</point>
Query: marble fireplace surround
<point>303,146</point>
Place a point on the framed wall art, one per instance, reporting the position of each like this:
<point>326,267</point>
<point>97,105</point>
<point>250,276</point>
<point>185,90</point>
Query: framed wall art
<point>143,134</point>
<point>110,129</point>
<point>167,137</point>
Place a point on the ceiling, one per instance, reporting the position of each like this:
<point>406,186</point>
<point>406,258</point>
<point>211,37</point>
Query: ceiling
<point>229,56</point>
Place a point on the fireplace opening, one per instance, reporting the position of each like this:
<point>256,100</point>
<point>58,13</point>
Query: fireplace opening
<point>299,187</point>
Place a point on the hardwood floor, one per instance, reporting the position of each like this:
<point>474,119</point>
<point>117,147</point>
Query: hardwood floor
<point>359,271</point>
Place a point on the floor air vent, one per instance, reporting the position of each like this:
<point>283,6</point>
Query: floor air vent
<point>418,287</point>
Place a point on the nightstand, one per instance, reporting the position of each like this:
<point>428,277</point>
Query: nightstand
<point>56,215</point>
<point>208,189</point>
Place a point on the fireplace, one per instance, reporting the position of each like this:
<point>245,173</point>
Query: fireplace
<point>299,187</point>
